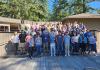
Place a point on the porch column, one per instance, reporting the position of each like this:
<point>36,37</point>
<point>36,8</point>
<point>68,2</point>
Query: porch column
<point>8,28</point>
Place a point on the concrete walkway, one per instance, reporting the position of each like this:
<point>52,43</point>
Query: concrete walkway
<point>52,63</point>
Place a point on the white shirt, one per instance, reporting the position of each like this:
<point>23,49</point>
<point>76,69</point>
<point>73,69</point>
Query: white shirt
<point>15,39</point>
<point>75,39</point>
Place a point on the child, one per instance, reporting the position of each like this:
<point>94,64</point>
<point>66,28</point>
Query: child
<point>30,48</point>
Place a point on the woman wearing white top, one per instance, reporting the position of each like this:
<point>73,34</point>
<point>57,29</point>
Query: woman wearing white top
<point>74,41</point>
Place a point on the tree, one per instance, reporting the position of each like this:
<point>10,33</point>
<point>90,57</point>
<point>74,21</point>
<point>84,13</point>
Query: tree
<point>98,11</point>
<point>63,8</point>
<point>35,10</point>
<point>80,6</point>
<point>59,10</point>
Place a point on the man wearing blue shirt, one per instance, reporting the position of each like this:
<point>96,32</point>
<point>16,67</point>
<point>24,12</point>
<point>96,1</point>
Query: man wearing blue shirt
<point>45,39</point>
<point>92,44</point>
<point>52,42</point>
<point>82,43</point>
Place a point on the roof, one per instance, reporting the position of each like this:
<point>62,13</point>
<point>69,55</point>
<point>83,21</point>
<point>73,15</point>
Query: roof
<point>9,20</point>
<point>83,15</point>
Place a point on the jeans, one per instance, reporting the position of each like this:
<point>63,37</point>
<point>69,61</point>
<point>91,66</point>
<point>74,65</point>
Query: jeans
<point>30,51</point>
<point>38,49</point>
<point>53,49</point>
<point>15,48</point>
<point>92,47</point>
<point>75,47</point>
<point>46,47</point>
<point>60,49</point>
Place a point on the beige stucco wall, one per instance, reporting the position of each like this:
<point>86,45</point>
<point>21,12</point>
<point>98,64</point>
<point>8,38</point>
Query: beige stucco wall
<point>4,38</point>
<point>92,24</point>
<point>98,41</point>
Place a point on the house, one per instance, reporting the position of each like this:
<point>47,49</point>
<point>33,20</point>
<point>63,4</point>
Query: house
<point>8,24</point>
<point>92,21</point>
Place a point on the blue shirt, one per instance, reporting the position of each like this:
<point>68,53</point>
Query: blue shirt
<point>67,39</point>
<point>88,34</point>
<point>38,41</point>
<point>59,39</point>
<point>52,37</point>
<point>92,40</point>
<point>45,37</point>
<point>84,40</point>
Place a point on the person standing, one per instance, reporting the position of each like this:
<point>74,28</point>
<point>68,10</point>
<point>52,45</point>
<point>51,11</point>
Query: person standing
<point>59,43</point>
<point>67,44</point>
<point>92,44</point>
<point>38,43</point>
<point>83,43</point>
<point>15,41</point>
<point>52,42</point>
<point>75,44</point>
<point>27,39</point>
<point>22,37</point>
<point>45,39</point>
<point>88,33</point>
<point>30,48</point>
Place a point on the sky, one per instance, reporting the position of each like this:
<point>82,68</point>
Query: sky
<point>95,4</point>
<point>50,3</point>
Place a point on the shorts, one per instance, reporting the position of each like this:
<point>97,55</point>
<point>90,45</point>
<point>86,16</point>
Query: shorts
<point>21,44</point>
<point>52,44</point>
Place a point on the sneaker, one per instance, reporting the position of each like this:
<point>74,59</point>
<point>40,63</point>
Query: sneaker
<point>68,54</point>
<point>96,55</point>
<point>30,57</point>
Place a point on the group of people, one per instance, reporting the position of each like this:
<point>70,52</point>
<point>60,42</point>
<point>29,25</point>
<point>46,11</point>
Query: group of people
<point>55,40</point>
